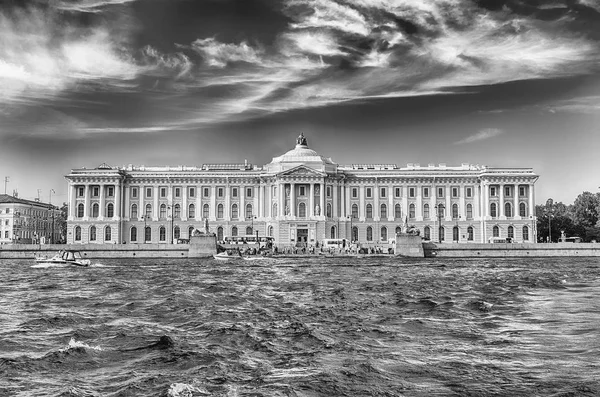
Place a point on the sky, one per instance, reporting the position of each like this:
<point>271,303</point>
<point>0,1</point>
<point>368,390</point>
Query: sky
<point>503,83</point>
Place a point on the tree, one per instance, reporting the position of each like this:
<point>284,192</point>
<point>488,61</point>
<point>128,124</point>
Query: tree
<point>554,218</point>
<point>586,214</point>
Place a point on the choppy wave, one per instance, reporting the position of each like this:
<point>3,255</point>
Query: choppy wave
<point>296,327</point>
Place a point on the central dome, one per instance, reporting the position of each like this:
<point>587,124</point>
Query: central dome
<point>299,155</point>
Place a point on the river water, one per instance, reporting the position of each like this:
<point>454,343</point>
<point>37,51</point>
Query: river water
<point>302,327</point>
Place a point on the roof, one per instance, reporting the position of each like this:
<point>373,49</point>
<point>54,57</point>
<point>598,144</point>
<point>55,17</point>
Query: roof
<point>7,199</point>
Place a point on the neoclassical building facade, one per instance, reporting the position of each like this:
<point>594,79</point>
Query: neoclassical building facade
<point>301,198</point>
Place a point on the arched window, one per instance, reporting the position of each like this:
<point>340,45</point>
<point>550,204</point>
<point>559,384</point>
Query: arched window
<point>522,210</point>
<point>455,211</point>
<point>220,211</point>
<point>270,231</point>
<point>383,211</point>
<point>302,210</point>
<point>249,231</point>
<point>384,233</point>
<point>95,210</point>
<point>176,233</point>
<point>411,211</point>
<point>134,211</point>
<point>110,210</point>
<point>133,234</point>
<point>248,211</point>
<point>234,231</point>
<point>177,211</point>
<point>275,209</point>
<point>398,229</point>
<point>354,211</point>
<point>162,234</point>
<point>470,233</point>
<point>397,211</point>
<point>80,210</point>
<point>469,211</point>
<point>78,233</point>
<point>93,233</point>
<point>369,233</point>
<point>234,211</point>
<point>455,233</point>
<point>220,233</point>
<point>511,232</point>
<point>369,211</point>
<point>163,211</point>
<point>192,211</point>
<point>493,211</point>
<point>190,231</point>
<point>508,210</point>
<point>147,234</point>
<point>496,231</point>
<point>426,211</point>
<point>525,233</point>
<point>332,233</point>
<point>205,211</point>
<point>328,210</point>
<point>442,233</point>
<point>107,233</point>
<point>354,233</point>
<point>148,210</point>
<point>427,233</point>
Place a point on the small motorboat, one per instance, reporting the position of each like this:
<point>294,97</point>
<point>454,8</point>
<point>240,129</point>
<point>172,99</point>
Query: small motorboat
<point>66,257</point>
<point>227,256</point>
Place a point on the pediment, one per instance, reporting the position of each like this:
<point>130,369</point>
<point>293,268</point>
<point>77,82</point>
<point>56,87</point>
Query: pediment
<point>302,171</point>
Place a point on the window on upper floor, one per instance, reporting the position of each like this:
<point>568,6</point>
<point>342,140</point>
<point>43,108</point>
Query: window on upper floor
<point>177,192</point>
<point>382,192</point>
<point>249,192</point>
<point>411,192</point>
<point>163,192</point>
<point>111,191</point>
<point>369,192</point>
<point>205,192</point>
<point>493,191</point>
<point>328,191</point>
<point>354,192</point>
<point>220,192</point>
<point>80,191</point>
<point>426,192</point>
<point>134,192</point>
<point>469,191</point>
<point>234,192</point>
<point>96,191</point>
<point>521,191</point>
<point>440,192</point>
<point>397,192</point>
<point>507,191</point>
<point>454,191</point>
<point>302,191</point>
<point>192,192</point>
<point>148,192</point>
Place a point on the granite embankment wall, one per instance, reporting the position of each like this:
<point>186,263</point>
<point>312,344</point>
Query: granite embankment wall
<point>450,250</point>
<point>199,247</point>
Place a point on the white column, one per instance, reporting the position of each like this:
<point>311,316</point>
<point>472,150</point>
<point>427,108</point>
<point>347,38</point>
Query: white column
<point>376,209</point>
<point>184,203</point>
<point>72,201</point>
<point>335,187</point>
<point>292,199</point>
<point>227,209</point>
<point>516,202</point>
<point>448,204</point>
<point>281,207</point>
<point>118,199</point>
<point>486,210</point>
<point>213,203</point>
<point>141,203</point>
<point>322,197</point>
<point>462,213</point>
<point>361,203</point>
<point>501,214</point>
<point>391,208</point>
<point>419,209</point>
<point>348,200</point>
<point>531,209</point>
<point>102,204</point>
<point>311,200</point>
<point>86,214</point>
<point>155,209</point>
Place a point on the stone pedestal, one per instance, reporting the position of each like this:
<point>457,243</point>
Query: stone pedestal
<point>409,245</point>
<point>203,246</point>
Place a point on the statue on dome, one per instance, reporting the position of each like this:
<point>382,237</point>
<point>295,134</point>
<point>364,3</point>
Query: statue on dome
<point>301,140</point>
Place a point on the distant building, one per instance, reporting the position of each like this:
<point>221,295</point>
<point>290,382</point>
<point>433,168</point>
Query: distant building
<point>301,198</point>
<point>28,222</point>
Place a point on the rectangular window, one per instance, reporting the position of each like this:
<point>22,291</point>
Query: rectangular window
<point>80,191</point>
<point>469,191</point>
<point>96,191</point>
<point>328,191</point>
<point>354,192</point>
<point>382,192</point>
<point>163,192</point>
<point>274,191</point>
<point>206,192</point>
<point>507,191</point>
<point>134,192</point>
<point>6,234</point>
<point>220,192</point>
<point>369,192</point>
<point>426,192</point>
<point>248,192</point>
<point>177,192</point>
<point>493,191</point>
<point>234,192</point>
<point>302,191</point>
<point>397,192</point>
<point>192,192</point>
<point>454,192</point>
<point>411,192</point>
<point>111,191</point>
<point>148,192</point>
<point>440,191</point>
<point>522,191</point>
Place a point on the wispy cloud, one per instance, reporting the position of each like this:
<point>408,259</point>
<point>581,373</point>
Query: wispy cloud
<point>481,135</point>
<point>92,6</point>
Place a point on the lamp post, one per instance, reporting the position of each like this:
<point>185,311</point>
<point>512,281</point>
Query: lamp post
<point>251,223</point>
<point>440,213</point>
<point>145,218</point>
<point>549,204</point>
<point>351,229</point>
<point>172,218</point>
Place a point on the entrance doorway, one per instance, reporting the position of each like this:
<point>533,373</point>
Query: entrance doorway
<point>301,237</point>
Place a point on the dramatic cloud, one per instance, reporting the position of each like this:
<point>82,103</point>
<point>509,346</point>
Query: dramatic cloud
<point>484,134</point>
<point>219,54</point>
